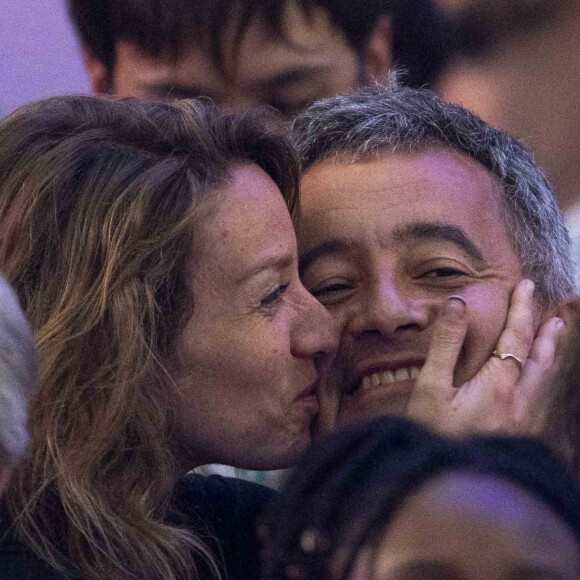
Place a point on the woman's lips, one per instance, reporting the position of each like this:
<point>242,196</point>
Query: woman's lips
<point>309,395</point>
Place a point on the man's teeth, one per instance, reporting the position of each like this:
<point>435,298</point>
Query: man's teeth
<point>388,377</point>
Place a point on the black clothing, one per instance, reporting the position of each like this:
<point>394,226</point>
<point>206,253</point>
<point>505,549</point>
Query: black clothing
<point>222,511</point>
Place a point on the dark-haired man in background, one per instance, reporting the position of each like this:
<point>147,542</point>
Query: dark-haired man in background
<point>243,53</point>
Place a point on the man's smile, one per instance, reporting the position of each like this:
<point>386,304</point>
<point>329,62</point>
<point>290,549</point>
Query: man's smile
<point>373,374</point>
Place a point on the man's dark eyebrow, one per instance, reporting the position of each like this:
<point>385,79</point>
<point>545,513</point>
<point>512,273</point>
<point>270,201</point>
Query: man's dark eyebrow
<point>328,248</point>
<point>293,75</point>
<point>178,91</point>
<point>424,569</point>
<point>434,231</point>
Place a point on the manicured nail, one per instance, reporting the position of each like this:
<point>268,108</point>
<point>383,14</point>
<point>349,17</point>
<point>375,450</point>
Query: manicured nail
<point>458,298</point>
<point>454,308</point>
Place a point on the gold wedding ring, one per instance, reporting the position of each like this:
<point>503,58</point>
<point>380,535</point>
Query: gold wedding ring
<point>508,355</point>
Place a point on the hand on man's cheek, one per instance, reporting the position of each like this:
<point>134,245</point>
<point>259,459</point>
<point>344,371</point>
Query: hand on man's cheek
<point>486,315</point>
<point>511,393</point>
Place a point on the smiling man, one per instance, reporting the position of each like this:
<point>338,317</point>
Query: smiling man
<point>406,202</point>
<point>243,53</point>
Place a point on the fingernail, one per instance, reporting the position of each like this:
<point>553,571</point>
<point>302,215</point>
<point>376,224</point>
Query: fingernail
<point>458,298</point>
<point>528,285</point>
<point>454,308</point>
<point>560,324</point>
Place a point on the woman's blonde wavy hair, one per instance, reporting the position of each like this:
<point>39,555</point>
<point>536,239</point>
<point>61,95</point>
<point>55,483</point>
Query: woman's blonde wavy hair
<point>100,208</point>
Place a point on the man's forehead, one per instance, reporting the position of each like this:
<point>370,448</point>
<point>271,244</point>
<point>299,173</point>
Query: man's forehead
<point>301,40</point>
<point>298,27</point>
<point>403,235</point>
<point>391,176</point>
<point>403,199</point>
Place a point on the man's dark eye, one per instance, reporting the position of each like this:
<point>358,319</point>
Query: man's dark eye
<point>443,273</point>
<point>329,289</point>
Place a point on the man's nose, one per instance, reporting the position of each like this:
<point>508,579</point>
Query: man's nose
<point>240,100</point>
<point>386,308</point>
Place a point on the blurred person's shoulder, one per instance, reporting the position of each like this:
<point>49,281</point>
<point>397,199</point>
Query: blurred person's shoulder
<point>17,561</point>
<point>224,511</point>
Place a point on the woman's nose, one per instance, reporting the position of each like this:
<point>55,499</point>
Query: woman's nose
<point>316,333</point>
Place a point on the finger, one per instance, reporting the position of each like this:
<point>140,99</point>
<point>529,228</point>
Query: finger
<point>536,382</point>
<point>496,380</point>
<point>449,330</point>
<point>545,345</point>
<point>518,334</point>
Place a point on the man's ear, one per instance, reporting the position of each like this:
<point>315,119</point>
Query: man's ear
<point>378,51</point>
<point>568,309</point>
<point>100,77</point>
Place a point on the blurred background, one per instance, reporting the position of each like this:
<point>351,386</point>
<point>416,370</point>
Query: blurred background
<point>39,54</point>
<point>516,63</point>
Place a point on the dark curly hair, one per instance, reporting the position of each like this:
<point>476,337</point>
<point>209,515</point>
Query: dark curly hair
<point>349,486</point>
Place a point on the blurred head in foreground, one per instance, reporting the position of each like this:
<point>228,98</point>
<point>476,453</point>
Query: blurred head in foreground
<point>18,379</point>
<point>390,500</point>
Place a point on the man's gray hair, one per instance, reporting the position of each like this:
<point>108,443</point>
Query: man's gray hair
<point>388,118</point>
<point>18,376</point>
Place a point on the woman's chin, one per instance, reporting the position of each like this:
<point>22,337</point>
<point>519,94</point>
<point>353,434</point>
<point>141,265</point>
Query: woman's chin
<point>283,456</point>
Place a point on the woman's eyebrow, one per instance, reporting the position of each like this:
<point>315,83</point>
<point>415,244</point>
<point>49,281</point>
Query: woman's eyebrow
<point>269,262</point>
<point>289,77</point>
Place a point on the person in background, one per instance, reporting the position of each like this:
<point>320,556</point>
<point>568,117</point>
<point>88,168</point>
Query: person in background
<point>244,53</point>
<point>517,65</point>
<point>390,500</point>
<point>18,380</point>
<point>411,205</point>
<point>153,252</point>
<point>563,427</point>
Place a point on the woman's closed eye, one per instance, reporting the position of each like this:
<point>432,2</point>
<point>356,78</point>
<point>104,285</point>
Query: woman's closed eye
<point>275,296</point>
